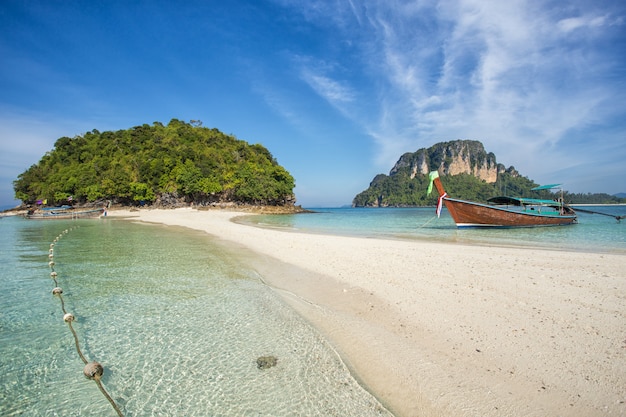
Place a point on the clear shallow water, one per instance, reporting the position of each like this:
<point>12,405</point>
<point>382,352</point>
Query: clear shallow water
<point>173,318</point>
<point>594,232</point>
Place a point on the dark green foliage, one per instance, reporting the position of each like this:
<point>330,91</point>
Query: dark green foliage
<point>395,191</point>
<point>593,198</point>
<point>145,162</point>
<point>399,190</point>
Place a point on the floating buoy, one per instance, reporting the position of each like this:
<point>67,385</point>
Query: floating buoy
<point>93,370</point>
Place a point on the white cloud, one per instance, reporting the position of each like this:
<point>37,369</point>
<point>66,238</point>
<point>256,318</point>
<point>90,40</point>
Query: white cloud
<point>573,23</point>
<point>331,90</point>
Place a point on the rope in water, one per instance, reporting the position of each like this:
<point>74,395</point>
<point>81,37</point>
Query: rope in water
<point>429,220</point>
<point>93,370</point>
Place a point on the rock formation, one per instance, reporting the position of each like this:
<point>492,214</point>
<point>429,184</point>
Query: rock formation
<point>408,179</point>
<point>452,158</point>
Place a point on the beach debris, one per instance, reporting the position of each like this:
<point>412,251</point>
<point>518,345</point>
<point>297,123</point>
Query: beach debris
<point>265,362</point>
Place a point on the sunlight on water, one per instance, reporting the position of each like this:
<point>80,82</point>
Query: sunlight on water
<point>178,324</point>
<point>174,320</point>
<point>594,232</point>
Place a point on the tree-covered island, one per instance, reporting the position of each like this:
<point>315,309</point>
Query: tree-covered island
<point>172,165</point>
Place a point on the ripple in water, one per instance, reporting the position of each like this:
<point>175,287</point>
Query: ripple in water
<point>174,320</point>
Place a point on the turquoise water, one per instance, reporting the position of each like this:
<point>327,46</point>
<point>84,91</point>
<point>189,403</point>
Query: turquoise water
<point>174,319</point>
<point>178,323</point>
<point>593,232</point>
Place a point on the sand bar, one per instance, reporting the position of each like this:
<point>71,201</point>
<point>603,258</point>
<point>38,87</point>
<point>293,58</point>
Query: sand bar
<point>441,329</point>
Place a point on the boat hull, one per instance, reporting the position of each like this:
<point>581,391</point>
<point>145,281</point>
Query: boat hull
<point>65,214</point>
<point>470,214</point>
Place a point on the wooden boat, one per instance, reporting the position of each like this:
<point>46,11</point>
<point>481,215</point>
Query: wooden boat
<point>63,212</point>
<point>504,211</point>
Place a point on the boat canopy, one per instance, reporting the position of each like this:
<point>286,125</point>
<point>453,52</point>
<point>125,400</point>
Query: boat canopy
<point>57,208</point>
<point>518,201</point>
<point>546,187</point>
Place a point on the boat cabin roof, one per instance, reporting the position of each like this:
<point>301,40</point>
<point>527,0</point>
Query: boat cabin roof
<point>546,187</point>
<point>56,208</point>
<point>519,201</point>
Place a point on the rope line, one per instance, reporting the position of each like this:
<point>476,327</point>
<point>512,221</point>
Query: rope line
<point>425,224</point>
<point>618,218</point>
<point>92,370</point>
<point>80,353</point>
<point>108,397</point>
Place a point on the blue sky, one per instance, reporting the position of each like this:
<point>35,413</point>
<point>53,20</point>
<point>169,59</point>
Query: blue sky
<point>336,90</point>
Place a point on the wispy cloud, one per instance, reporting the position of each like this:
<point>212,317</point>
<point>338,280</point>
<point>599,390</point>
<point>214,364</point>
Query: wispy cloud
<point>570,24</point>
<point>507,73</point>
<point>331,90</point>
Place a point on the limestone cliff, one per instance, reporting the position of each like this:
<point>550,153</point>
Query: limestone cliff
<point>451,158</point>
<point>473,174</point>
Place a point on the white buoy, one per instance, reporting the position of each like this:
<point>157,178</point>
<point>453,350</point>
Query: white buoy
<point>51,256</point>
<point>57,291</point>
<point>93,370</point>
<point>51,245</point>
<point>51,264</point>
<point>53,274</point>
<point>68,318</point>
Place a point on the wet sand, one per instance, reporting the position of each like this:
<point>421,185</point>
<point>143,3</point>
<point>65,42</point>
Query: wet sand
<point>443,329</point>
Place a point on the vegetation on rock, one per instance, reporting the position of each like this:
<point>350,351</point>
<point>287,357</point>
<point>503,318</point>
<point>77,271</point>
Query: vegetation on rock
<point>170,164</point>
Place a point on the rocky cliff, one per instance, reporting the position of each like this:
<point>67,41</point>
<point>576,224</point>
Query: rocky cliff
<point>451,158</point>
<point>473,174</point>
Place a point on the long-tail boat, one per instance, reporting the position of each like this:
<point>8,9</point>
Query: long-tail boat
<point>504,211</point>
<point>63,212</point>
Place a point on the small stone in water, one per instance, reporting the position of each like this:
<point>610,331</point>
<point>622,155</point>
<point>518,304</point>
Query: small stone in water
<point>265,362</point>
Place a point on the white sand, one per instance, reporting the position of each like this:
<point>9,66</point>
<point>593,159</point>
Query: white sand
<point>436,329</point>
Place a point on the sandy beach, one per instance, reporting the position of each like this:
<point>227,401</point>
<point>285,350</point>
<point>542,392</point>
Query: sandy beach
<point>443,329</point>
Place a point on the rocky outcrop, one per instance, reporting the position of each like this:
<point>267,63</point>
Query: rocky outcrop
<point>472,173</point>
<point>451,158</point>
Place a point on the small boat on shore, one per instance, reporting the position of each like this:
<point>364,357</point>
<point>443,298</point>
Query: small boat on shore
<point>62,212</point>
<point>504,211</point>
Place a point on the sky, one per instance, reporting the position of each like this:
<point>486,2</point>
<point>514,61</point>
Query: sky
<point>337,90</point>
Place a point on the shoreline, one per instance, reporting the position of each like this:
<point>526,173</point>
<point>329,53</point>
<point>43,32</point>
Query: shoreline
<point>440,329</point>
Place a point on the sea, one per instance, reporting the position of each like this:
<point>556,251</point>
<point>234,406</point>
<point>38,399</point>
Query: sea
<point>179,324</point>
<point>594,232</point>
